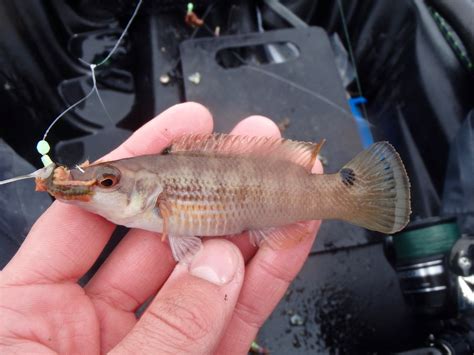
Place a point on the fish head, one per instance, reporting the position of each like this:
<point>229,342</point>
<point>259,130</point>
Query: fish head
<point>97,188</point>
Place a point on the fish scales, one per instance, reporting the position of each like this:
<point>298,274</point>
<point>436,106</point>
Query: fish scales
<point>221,195</point>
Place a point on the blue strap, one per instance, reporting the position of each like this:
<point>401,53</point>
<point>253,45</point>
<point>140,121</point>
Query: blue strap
<point>362,123</point>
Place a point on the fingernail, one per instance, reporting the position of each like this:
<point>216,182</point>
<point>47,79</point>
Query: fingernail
<point>216,262</point>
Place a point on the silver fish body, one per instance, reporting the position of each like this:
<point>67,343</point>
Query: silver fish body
<point>214,185</point>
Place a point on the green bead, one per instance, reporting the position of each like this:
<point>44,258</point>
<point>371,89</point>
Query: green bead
<point>190,7</point>
<point>43,147</point>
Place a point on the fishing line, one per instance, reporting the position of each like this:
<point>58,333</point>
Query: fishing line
<point>66,111</point>
<point>43,146</point>
<point>351,54</point>
<point>42,173</point>
<point>135,12</point>
<point>17,178</point>
<point>193,34</point>
<point>94,88</point>
<point>300,87</point>
<point>293,84</point>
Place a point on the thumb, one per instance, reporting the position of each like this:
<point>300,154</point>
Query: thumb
<point>191,311</point>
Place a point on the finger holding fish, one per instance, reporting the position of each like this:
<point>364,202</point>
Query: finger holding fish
<point>267,277</point>
<point>135,271</point>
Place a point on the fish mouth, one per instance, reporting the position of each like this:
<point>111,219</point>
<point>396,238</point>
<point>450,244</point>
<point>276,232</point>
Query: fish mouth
<point>64,184</point>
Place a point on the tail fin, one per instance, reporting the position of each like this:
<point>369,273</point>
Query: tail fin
<point>378,182</point>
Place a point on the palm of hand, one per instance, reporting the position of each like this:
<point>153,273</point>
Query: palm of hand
<point>42,317</point>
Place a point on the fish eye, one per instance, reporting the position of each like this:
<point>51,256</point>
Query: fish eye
<point>108,181</point>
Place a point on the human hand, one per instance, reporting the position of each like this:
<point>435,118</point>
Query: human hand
<point>217,303</point>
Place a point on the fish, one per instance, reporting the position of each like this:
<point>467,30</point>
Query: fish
<point>210,185</point>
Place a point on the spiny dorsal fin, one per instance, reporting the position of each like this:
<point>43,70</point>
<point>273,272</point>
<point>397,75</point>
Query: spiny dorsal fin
<point>302,153</point>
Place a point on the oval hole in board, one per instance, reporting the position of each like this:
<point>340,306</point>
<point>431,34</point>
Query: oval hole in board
<point>257,54</point>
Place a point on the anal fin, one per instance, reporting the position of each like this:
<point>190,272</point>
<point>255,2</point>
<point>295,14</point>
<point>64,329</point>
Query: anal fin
<point>280,237</point>
<point>184,247</point>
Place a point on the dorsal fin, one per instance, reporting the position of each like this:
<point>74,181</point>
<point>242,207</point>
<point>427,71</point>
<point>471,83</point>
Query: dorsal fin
<point>302,153</point>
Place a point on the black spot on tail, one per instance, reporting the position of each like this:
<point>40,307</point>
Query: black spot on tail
<point>348,176</point>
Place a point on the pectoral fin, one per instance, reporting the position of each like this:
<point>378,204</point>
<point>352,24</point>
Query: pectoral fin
<point>164,211</point>
<point>184,246</point>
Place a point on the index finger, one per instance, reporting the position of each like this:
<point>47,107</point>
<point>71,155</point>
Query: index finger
<point>66,240</point>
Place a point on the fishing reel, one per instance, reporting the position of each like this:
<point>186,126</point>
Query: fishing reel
<point>435,267</point>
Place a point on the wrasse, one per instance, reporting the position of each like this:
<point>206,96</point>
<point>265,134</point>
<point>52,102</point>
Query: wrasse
<point>209,185</point>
